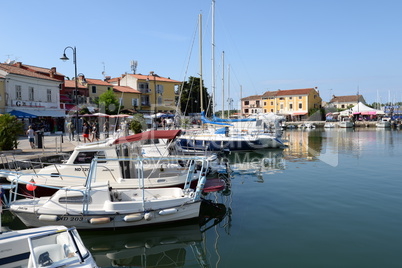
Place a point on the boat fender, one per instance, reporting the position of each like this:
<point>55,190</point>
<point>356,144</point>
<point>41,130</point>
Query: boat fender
<point>44,217</point>
<point>133,217</point>
<point>99,220</point>
<point>148,216</point>
<point>168,211</point>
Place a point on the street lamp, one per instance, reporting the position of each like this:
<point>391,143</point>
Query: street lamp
<point>65,58</point>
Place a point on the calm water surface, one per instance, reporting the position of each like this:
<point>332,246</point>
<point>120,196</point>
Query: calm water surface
<point>333,198</point>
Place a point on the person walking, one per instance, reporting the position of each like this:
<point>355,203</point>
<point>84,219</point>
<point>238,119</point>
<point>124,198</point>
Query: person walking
<point>85,132</point>
<point>31,136</point>
<point>71,130</point>
<point>106,129</point>
<point>95,132</point>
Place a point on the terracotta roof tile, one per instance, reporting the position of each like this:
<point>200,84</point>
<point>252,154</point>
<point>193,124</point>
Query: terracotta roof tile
<point>349,98</point>
<point>253,97</point>
<point>21,71</point>
<point>302,91</point>
<point>71,84</point>
<point>125,89</point>
<point>98,82</point>
<point>151,78</point>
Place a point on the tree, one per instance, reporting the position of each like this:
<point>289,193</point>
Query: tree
<point>138,123</point>
<point>10,128</point>
<point>190,97</point>
<point>109,102</point>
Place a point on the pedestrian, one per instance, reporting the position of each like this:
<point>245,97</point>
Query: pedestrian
<point>31,137</point>
<point>106,129</point>
<point>85,132</point>
<point>71,130</point>
<point>95,132</point>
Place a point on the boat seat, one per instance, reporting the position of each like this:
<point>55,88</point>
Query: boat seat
<point>46,255</point>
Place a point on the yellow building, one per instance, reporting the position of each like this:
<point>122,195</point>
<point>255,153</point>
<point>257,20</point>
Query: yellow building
<point>294,103</point>
<point>128,97</point>
<point>158,94</point>
<point>96,87</point>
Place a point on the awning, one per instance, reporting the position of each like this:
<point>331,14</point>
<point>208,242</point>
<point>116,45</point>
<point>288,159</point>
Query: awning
<point>369,113</point>
<point>149,135</point>
<point>49,113</point>
<point>21,114</point>
<point>299,113</point>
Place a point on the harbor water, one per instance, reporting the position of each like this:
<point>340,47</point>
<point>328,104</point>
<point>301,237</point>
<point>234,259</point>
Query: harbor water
<point>332,198</point>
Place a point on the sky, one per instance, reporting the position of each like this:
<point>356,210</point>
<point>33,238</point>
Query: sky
<point>342,47</point>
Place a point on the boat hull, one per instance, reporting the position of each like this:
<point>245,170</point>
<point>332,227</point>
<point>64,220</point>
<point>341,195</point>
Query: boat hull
<point>25,212</point>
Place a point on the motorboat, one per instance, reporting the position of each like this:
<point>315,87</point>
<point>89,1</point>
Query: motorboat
<point>163,171</point>
<point>346,122</point>
<point>99,205</point>
<point>329,125</point>
<point>385,122</point>
<point>47,246</point>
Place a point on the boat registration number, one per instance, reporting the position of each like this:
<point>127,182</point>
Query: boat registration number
<point>71,218</point>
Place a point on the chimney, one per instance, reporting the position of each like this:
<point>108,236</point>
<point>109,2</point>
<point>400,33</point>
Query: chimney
<point>19,64</point>
<point>52,72</point>
<point>118,81</point>
<point>107,78</point>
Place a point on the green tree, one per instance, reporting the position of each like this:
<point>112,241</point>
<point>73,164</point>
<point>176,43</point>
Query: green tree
<point>109,102</point>
<point>10,128</point>
<point>138,123</point>
<point>190,97</point>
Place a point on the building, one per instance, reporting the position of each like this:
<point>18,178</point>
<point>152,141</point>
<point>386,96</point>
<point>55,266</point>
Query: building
<point>32,93</point>
<point>251,105</point>
<point>345,102</point>
<point>295,104</point>
<point>158,94</point>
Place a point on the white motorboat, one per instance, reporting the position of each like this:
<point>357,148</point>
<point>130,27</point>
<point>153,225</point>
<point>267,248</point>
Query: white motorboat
<point>158,171</point>
<point>99,205</point>
<point>48,246</point>
<point>346,122</point>
<point>329,125</point>
<point>385,122</point>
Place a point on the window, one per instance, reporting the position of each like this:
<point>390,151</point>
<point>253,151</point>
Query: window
<point>290,98</point>
<point>159,89</point>
<point>272,110</point>
<point>291,106</point>
<point>272,103</point>
<point>145,100</point>
<point>18,92</point>
<point>86,157</point>
<point>257,103</point>
<point>300,106</point>
<point>265,103</point>
<point>94,89</point>
<point>300,97</point>
<point>281,98</point>
<point>134,102</point>
<point>265,111</point>
<point>31,93</point>
<point>281,106</point>
<point>49,95</point>
<point>159,100</point>
<point>176,89</point>
<point>246,103</point>
<point>246,111</point>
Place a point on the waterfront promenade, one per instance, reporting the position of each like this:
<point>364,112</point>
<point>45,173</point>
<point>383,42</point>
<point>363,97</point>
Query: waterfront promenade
<point>52,145</point>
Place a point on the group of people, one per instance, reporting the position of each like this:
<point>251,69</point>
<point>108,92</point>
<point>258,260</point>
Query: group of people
<point>90,132</point>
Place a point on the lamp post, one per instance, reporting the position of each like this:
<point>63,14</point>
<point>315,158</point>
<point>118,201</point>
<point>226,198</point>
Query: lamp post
<point>65,58</point>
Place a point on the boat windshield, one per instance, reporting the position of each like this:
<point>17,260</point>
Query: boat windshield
<point>57,248</point>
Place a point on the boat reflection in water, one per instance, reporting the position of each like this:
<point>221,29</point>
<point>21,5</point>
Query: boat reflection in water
<point>169,246</point>
<point>257,162</point>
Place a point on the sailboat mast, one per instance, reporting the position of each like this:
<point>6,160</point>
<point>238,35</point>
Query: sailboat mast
<point>223,84</point>
<point>213,57</point>
<point>229,100</point>
<point>200,44</point>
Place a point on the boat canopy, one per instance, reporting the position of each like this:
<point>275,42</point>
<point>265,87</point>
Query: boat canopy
<point>149,135</point>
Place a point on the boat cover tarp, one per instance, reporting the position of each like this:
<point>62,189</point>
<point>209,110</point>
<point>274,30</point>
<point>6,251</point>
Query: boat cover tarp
<point>207,121</point>
<point>149,135</point>
<point>217,119</point>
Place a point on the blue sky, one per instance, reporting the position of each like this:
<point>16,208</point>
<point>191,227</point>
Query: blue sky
<point>339,46</point>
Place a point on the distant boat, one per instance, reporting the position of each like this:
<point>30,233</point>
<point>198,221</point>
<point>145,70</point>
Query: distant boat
<point>346,122</point>
<point>385,122</point>
<point>329,125</point>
